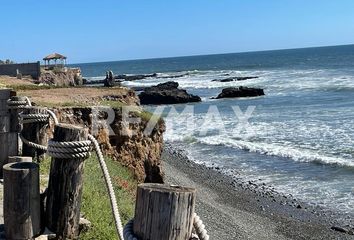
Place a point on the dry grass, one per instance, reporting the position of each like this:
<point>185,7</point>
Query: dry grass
<point>6,81</point>
<point>77,96</point>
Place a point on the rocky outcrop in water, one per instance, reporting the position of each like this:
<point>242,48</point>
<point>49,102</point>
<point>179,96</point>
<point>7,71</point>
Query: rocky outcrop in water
<point>166,93</point>
<point>135,77</point>
<point>238,92</point>
<point>109,80</point>
<point>232,79</point>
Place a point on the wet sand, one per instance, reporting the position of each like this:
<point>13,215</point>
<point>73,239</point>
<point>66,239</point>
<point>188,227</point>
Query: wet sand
<point>235,210</point>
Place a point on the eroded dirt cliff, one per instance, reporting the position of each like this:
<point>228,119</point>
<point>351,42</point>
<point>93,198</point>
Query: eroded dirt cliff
<point>139,152</point>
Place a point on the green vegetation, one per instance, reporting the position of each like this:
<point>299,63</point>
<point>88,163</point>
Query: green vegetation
<point>25,87</point>
<point>95,201</point>
<point>113,104</point>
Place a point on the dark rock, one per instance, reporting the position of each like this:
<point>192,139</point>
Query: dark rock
<point>138,89</point>
<point>339,229</point>
<point>234,92</point>
<point>167,86</point>
<point>245,78</point>
<point>166,93</point>
<point>174,76</point>
<point>118,79</point>
<point>224,80</point>
<point>231,79</point>
<point>135,77</point>
<point>109,80</point>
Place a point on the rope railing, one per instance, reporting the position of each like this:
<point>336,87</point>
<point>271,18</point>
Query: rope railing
<point>82,149</point>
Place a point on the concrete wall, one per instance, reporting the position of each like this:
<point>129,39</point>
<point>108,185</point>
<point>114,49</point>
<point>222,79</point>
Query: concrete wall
<point>31,69</point>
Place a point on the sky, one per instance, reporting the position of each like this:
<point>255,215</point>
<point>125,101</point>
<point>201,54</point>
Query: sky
<point>109,30</point>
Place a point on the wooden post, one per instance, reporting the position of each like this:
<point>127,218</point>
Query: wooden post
<point>65,186</point>
<point>15,124</point>
<point>164,212</point>
<point>35,132</point>
<point>5,95</point>
<point>4,126</point>
<point>18,159</point>
<point>21,201</point>
<point>15,128</point>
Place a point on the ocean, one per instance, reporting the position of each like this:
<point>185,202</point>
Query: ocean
<point>299,137</point>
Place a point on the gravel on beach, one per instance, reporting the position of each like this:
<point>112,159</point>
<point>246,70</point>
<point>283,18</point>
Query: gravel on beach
<point>233,210</point>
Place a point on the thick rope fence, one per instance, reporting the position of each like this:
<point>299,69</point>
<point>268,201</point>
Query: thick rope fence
<point>82,149</point>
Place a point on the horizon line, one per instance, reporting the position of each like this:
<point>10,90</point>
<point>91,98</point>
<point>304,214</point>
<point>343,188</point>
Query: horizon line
<point>211,54</point>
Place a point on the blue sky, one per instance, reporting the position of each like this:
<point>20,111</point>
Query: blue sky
<point>107,30</point>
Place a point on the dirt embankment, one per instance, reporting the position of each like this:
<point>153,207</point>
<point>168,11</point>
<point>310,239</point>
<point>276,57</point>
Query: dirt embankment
<point>139,152</point>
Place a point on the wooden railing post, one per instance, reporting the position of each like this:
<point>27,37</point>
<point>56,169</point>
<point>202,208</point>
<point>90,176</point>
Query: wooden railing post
<point>35,132</point>
<point>18,159</point>
<point>164,212</point>
<point>65,186</point>
<point>4,126</point>
<point>15,127</point>
<point>21,200</point>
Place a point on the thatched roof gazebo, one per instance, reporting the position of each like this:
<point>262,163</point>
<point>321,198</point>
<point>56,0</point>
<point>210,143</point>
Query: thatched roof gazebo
<point>54,57</point>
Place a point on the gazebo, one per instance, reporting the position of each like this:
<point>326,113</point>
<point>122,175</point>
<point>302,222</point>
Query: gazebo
<point>55,57</point>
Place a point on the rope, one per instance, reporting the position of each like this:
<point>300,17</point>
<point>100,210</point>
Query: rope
<point>12,104</point>
<point>115,211</point>
<point>33,118</point>
<point>128,231</point>
<point>69,150</point>
<point>198,226</point>
<point>53,116</point>
<point>28,102</point>
<point>32,144</point>
<point>16,104</point>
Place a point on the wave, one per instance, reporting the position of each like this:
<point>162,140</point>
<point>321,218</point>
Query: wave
<point>275,81</point>
<point>270,149</point>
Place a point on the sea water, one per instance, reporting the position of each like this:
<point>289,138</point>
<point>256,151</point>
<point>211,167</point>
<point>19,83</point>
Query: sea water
<point>300,135</point>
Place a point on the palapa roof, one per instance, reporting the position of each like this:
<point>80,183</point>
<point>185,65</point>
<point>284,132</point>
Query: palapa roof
<point>54,56</point>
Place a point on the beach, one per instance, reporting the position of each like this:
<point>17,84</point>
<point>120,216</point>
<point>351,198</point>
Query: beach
<point>237,211</point>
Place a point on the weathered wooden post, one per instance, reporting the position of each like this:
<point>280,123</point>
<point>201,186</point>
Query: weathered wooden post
<point>164,212</point>
<point>18,159</point>
<point>21,201</point>
<point>15,127</point>
<point>4,126</point>
<point>35,132</point>
<point>65,186</point>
